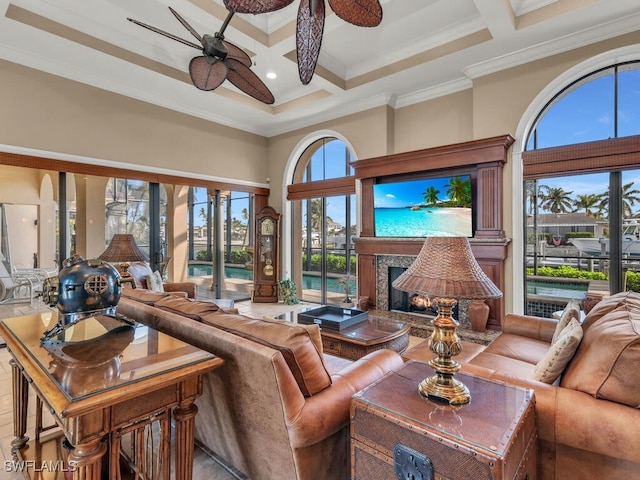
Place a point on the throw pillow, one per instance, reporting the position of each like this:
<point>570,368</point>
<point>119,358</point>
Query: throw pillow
<point>557,357</point>
<point>572,310</point>
<point>154,282</point>
<point>605,365</point>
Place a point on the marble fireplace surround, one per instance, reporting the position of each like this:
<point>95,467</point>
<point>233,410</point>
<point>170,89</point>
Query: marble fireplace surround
<point>420,324</point>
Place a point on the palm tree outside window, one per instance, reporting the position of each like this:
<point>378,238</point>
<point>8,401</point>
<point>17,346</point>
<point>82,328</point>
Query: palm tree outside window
<point>327,225</point>
<point>578,216</point>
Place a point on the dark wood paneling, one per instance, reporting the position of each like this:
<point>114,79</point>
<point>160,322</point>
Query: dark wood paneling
<point>485,160</point>
<point>322,188</point>
<point>489,254</point>
<point>469,153</point>
<point>367,277</point>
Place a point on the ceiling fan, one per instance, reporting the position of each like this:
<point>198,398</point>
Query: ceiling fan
<point>221,60</point>
<point>310,23</point>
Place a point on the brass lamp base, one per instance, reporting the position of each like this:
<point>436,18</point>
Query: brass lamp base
<point>445,343</point>
<point>447,389</point>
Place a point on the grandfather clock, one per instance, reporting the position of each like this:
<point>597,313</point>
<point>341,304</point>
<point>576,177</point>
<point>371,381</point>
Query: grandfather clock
<point>265,257</point>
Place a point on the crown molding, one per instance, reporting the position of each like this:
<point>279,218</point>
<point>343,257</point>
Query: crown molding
<point>80,159</point>
<point>436,91</point>
<point>579,39</point>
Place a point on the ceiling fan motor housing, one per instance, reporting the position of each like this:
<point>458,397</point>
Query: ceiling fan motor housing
<point>213,46</point>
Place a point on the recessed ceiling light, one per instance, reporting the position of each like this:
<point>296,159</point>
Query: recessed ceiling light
<point>272,75</point>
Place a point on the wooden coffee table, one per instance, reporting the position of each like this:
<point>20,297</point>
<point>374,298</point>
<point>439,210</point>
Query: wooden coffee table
<point>362,338</point>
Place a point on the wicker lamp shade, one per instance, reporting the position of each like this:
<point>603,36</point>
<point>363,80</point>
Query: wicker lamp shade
<point>122,249</point>
<point>446,267</point>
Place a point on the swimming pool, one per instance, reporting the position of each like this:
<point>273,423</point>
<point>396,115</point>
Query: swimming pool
<point>202,270</point>
<point>556,289</point>
<point>309,281</point>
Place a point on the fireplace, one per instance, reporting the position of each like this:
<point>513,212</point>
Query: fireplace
<point>411,302</point>
<point>407,301</point>
<point>412,306</point>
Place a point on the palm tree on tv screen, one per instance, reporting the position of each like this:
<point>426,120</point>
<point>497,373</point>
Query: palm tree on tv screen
<point>459,191</point>
<point>431,195</point>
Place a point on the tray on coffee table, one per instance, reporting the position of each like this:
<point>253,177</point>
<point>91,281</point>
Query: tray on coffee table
<point>332,316</point>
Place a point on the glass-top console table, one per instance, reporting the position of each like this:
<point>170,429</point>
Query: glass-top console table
<point>104,378</point>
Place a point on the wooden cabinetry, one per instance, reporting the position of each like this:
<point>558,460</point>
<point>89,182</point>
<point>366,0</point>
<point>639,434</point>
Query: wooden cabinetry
<point>483,160</point>
<point>266,259</point>
<point>492,437</point>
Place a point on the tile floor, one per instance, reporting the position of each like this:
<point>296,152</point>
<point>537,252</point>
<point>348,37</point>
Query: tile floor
<point>205,467</point>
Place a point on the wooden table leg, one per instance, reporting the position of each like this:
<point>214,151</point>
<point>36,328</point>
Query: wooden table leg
<point>184,415</point>
<point>20,387</point>
<point>85,460</point>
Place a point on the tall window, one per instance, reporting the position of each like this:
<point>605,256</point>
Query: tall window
<point>582,208</point>
<point>326,213</point>
<point>128,210</point>
<point>220,239</point>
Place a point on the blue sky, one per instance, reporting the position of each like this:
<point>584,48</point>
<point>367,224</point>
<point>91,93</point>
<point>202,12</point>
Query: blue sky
<point>403,194</point>
<point>587,113</point>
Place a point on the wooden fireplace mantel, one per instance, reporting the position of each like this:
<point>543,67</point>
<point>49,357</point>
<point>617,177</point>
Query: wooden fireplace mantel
<point>483,160</point>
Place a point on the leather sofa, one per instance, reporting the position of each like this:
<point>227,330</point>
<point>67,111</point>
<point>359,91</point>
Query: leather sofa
<point>140,271</point>
<point>278,408</point>
<point>589,419</point>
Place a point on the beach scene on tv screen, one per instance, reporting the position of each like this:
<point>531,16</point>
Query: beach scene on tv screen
<point>437,207</point>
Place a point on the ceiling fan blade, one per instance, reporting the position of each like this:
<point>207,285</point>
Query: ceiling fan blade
<point>186,25</point>
<point>205,75</point>
<point>255,6</point>
<point>235,52</point>
<point>247,81</point>
<point>166,34</point>
<point>363,13</point>
<point>309,38</point>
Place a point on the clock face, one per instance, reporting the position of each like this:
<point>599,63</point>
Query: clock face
<point>267,227</point>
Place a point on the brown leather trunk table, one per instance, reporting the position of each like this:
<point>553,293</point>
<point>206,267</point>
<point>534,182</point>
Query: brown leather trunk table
<point>491,437</point>
<point>100,382</point>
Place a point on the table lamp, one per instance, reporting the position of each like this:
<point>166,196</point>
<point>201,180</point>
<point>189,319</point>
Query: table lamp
<point>121,251</point>
<point>445,270</point>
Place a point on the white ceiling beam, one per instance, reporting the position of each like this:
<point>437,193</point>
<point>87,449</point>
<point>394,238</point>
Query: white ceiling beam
<point>498,16</point>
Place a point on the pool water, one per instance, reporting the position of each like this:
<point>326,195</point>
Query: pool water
<point>309,282</point>
<point>556,289</point>
<point>202,270</point>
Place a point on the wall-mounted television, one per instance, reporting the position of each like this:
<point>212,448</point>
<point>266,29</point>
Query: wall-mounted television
<point>438,206</point>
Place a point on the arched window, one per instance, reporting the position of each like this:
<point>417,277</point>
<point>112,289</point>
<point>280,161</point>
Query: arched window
<point>324,223</point>
<point>602,105</point>
<point>582,190</point>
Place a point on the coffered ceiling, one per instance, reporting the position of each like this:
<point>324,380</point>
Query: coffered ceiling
<point>421,50</point>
